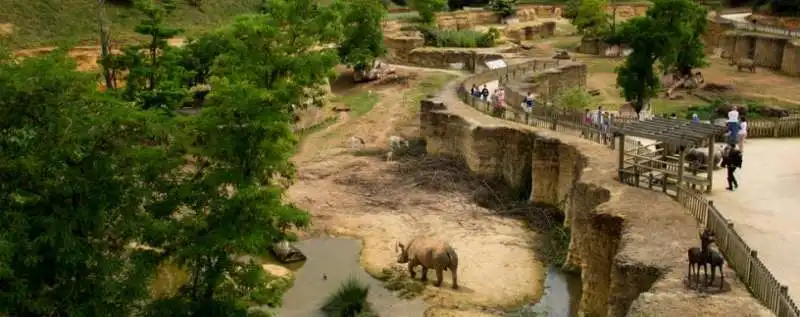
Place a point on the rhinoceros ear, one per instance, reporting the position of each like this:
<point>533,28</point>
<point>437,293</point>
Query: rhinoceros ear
<point>400,247</point>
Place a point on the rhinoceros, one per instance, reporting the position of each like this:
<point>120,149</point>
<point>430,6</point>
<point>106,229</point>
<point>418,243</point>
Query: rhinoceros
<point>430,253</point>
<point>699,156</point>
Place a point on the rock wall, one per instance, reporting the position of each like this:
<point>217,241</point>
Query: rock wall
<point>766,50</point>
<point>531,32</point>
<point>409,51</point>
<point>629,243</point>
<point>791,58</point>
<point>466,19</point>
<point>398,48</point>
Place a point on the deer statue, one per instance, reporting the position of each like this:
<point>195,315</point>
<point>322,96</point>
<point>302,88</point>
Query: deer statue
<point>716,260</point>
<point>700,256</point>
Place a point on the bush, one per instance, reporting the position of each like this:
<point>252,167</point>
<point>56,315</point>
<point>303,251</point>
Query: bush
<point>505,8</point>
<point>350,300</point>
<point>574,98</point>
<point>459,38</point>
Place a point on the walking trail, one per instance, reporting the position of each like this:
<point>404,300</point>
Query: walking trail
<point>764,208</point>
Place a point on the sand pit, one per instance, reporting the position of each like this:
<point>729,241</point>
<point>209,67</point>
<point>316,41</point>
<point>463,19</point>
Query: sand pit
<point>364,196</point>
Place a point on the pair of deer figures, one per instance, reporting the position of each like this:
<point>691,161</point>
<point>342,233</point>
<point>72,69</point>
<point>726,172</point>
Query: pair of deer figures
<point>704,256</point>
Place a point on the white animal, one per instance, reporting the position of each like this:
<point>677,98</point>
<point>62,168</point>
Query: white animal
<point>356,143</point>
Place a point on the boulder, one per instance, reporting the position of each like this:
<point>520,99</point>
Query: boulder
<point>562,54</point>
<point>277,271</point>
<point>774,112</point>
<point>285,252</point>
<point>378,71</point>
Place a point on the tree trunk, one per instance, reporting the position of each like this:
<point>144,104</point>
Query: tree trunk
<point>105,34</point>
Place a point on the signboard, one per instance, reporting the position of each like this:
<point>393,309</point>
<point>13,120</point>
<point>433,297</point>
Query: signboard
<point>495,64</point>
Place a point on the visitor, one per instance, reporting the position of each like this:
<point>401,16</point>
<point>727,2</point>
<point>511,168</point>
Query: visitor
<point>474,91</point>
<point>501,98</point>
<point>732,160</point>
<point>733,125</point>
<point>485,93</point>
<point>695,118</point>
<point>742,133</point>
<point>529,102</point>
<point>673,116</point>
<point>597,118</point>
<point>605,127</point>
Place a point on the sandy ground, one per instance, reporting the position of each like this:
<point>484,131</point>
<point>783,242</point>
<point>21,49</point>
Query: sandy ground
<point>383,202</point>
<point>764,208</point>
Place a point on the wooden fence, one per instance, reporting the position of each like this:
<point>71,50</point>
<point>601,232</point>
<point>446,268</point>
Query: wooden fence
<point>744,260</point>
<point>773,128</point>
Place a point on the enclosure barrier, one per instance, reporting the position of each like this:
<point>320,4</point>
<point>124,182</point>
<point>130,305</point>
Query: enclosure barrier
<point>744,260</point>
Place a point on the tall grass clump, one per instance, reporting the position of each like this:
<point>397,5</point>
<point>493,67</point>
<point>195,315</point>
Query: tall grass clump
<point>459,38</point>
<point>350,300</point>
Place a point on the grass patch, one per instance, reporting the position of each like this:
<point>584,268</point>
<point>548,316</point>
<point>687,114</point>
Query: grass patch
<point>431,84</point>
<point>459,38</point>
<point>567,43</point>
<point>350,300</point>
<point>397,280</point>
<point>359,103</point>
<point>54,22</point>
<point>403,16</point>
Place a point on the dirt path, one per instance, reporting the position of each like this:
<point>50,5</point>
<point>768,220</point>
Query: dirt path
<point>362,195</point>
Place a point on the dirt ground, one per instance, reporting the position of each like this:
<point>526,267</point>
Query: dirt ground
<point>359,193</point>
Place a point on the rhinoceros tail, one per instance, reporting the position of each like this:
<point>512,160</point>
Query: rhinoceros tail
<point>453,257</point>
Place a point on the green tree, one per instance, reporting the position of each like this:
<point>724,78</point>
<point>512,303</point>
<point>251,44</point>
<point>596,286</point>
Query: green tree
<point>427,9</point>
<point>363,36</point>
<point>239,146</point>
<point>155,78</point>
<point>505,8</point>
<point>78,169</point>
<point>636,76</point>
<point>591,18</point>
<point>670,35</point>
<point>686,22</point>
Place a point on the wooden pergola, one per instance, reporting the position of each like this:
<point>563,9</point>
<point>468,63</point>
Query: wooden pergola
<point>658,165</point>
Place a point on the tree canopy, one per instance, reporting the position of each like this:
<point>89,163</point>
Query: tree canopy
<point>668,34</point>
<point>591,18</point>
<point>427,9</point>
<point>362,41</point>
<point>101,188</point>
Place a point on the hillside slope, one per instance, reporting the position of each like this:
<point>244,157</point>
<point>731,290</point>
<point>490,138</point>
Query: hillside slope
<point>47,22</point>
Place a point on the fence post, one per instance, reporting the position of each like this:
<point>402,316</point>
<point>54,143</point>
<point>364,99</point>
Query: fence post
<point>708,211</point>
<point>554,123</point>
<point>751,266</point>
<point>781,308</point>
<point>775,128</point>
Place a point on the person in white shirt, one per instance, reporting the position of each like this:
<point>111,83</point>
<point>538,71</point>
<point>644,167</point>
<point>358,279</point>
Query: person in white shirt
<point>742,133</point>
<point>733,126</point>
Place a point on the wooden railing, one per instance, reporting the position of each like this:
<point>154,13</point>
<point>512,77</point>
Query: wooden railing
<point>744,260</point>
<point>773,128</point>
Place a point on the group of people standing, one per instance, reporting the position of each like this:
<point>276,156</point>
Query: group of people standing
<point>497,97</point>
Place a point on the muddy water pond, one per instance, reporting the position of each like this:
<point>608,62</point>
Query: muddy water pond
<point>562,296</point>
<point>338,259</point>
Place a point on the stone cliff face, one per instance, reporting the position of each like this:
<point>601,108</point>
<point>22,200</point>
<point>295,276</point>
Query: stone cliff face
<point>629,243</point>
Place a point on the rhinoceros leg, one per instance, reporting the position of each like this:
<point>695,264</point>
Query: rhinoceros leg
<point>439,276</point>
<point>455,278</point>
<point>424,273</point>
<point>411,266</point>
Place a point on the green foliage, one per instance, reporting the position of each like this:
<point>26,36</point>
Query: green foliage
<point>458,38</point>
<point>360,103</point>
<point>77,172</point>
<point>153,79</point>
<point>505,8</point>
<point>55,22</point>
<point>558,248</point>
<point>591,18</point>
<point>427,9</point>
<point>571,9</point>
<point>350,300</point>
<point>574,98</point>
<point>669,34</point>
<point>363,35</point>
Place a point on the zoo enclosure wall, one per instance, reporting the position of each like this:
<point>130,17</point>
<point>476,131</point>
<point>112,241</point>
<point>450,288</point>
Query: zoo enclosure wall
<point>744,260</point>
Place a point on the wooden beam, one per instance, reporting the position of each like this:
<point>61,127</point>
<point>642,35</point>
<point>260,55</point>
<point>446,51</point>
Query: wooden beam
<point>672,130</point>
<point>621,153</point>
<point>657,137</point>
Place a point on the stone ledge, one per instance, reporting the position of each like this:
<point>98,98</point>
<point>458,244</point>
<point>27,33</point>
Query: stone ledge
<point>630,243</point>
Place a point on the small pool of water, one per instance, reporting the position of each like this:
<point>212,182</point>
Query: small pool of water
<point>562,296</point>
<point>338,259</point>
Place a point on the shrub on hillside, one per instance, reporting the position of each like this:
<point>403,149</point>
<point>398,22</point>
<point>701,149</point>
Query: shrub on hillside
<point>505,8</point>
<point>459,38</point>
<point>574,98</point>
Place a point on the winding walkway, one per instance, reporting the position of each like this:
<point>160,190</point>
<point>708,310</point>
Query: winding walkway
<point>764,210</point>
